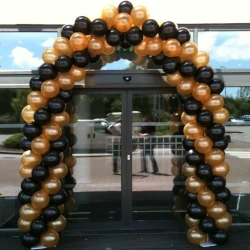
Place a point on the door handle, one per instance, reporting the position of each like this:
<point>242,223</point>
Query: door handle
<point>88,136</point>
<point>93,135</point>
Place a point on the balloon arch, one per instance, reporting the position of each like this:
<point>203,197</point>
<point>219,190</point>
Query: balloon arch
<point>47,161</point>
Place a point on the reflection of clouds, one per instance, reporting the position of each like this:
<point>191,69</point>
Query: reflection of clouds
<point>117,65</point>
<point>25,59</point>
<point>48,43</point>
<point>225,46</point>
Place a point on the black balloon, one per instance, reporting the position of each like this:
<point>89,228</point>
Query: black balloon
<point>187,69</point>
<point>82,24</point>
<point>80,58</point>
<point>191,197</point>
<point>63,63</point>
<point>35,83</point>
<point>25,144</point>
<point>216,86</point>
<point>38,227</point>
<point>67,31</point>
<point>125,7</point>
<point>72,139</point>
<point>183,35</point>
<point>99,27</point>
<point>194,158</point>
<point>224,195</point>
<point>170,65</point>
<point>134,36</point>
<point>204,74</point>
<point>183,98</point>
<point>125,45</point>
<point>31,130</point>
<point>220,237</point>
<point>59,145</point>
<point>51,212</point>
<point>196,211</point>
<point>173,101</point>
<point>47,71</point>
<point>215,131</point>
<point>42,116</point>
<point>150,28</point>
<point>59,198</point>
<point>40,173</point>
<point>28,240</point>
<point>67,95</point>
<point>208,225</point>
<point>56,105</point>
<point>221,143</point>
<point>192,106</point>
<point>51,159</point>
<point>96,65</point>
<point>204,172</point>
<point>188,143</point>
<point>168,30</point>
<point>205,118</point>
<point>158,60</point>
<point>216,184</point>
<point>70,181</point>
<point>29,186</point>
<point>93,58</point>
<point>114,37</point>
<point>176,190</point>
<point>24,198</point>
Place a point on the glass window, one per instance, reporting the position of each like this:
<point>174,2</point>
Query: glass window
<point>23,50</point>
<point>227,49</point>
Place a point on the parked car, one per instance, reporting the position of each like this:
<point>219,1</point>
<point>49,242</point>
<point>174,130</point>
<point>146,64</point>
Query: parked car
<point>235,122</point>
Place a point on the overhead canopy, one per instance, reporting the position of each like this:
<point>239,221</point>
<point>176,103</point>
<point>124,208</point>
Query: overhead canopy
<point>181,11</point>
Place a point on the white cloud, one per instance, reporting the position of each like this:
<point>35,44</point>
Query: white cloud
<point>19,41</point>
<point>25,59</point>
<point>235,47</point>
<point>48,43</point>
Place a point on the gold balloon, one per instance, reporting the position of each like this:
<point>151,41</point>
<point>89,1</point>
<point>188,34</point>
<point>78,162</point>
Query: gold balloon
<point>57,225</point>
<point>61,154</point>
<point>185,118</point>
<point>96,45</point>
<point>171,47</point>
<point>71,171</point>
<point>28,113</point>
<point>174,79</point>
<point>201,59</point>
<point>70,161</point>
<point>61,119</point>
<point>193,130</point>
<point>203,144</point>
<point>108,49</point>
<point>141,48</point>
<point>201,92</point>
<point>78,41</point>
<point>30,159</point>
<point>154,46</point>
<point>175,117</point>
<point>62,46</point>
<point>186,86</point>
<point>214,102</point>
<point>36,100</point>
<point>206,197</point>
<point>188,51</point>
<point>23,225</point>
<point>123,22</point>
<point>195,236</point>
<point>25,172</point>
<point>77,73</point>
<point>108,58</point>
<point>139,60</point>
<point>40,145</point>
<point>221,169</point>
<point>177,161</point>
<point>50,88</point>
<point>59,171</point>
<point>191,222</point>
<point>52,185</point>
<point>109,14</point>
<point>52,131</point>
<point>224,222</point>
<point>40,199</point>
<point>69,205</point>
<point>49,239</point>
<point>221,116</point>
<point>174,127</point>
<point>188,170</point>
<point>139,15</point>
<point>217,210</point>
<point>65,81</point>
<point>194,184</point>
<point>61,208</point>
<point>50,55</point>
<point>29,213</point>
<point>215,157</point>
<point>73,118</point>
<point>175,170</point>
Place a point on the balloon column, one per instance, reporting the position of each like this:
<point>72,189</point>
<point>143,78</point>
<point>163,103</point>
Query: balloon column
<point>186,68</point>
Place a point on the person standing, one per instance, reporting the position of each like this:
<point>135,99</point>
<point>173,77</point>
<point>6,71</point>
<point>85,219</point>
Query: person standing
<point>148,147</point>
